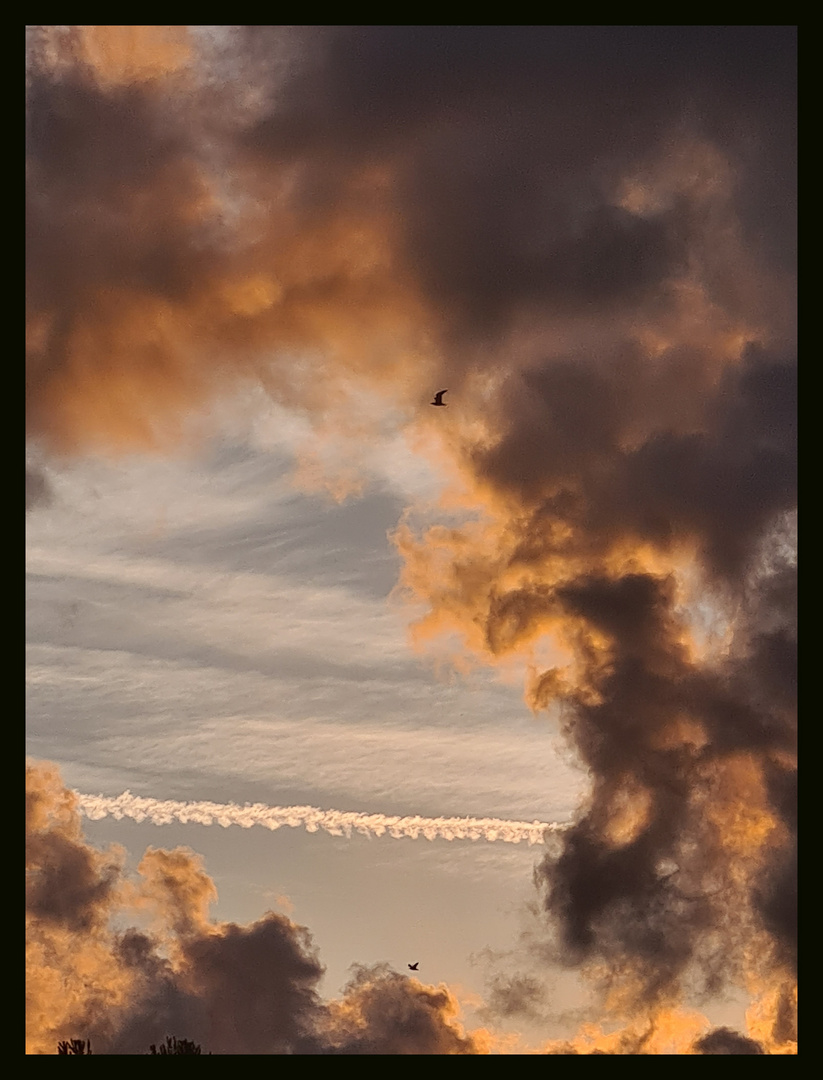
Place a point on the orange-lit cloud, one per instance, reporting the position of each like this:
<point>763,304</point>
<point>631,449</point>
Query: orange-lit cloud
<point>236,989</point>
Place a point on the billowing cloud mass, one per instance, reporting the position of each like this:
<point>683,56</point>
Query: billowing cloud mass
<point>587,234</point>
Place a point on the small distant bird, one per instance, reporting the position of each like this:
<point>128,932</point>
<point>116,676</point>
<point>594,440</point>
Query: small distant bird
<point>438,398</point>
<point>413,967</point>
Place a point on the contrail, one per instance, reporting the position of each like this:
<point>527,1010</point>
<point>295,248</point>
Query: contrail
<point>336,822</point>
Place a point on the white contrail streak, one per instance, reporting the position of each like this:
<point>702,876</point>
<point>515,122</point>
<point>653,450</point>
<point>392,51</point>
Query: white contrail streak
<point>336,822</point>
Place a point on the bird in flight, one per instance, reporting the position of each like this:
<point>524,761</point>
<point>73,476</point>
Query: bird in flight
<point>438,398</point>
<point>413,967</point>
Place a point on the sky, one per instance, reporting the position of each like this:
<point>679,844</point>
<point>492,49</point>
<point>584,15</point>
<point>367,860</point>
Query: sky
<point>323,681</point>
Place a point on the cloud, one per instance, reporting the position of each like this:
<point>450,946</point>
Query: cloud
<point>296,225</point>
<point>38,490</point>
<point>725,1041</point>
<point>588,235</point>
<point>383,1012</point>
<point>149,285</point>
<point>235,989</point>
<point>335,822</point>
<point>72,977</point>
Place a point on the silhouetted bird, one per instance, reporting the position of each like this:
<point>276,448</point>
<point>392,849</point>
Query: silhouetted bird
<point>413,967</point>
<point>438,398</point>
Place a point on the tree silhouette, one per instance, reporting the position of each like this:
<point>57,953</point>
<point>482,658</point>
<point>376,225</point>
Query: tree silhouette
<point>76,1046</point>
<point>173,1045</point>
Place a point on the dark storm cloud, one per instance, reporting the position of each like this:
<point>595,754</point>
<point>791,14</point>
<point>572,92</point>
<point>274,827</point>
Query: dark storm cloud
<point>68,884</point>
<point>504,139</point>
<point>562,450</point>
<point>357,88</point>
<point>493,154</point>
<point>611,895</point>
<point>726,1041</point>
<point>734,478</point>
<point>655,900</point>
<point>608,445</point>
<point>92,157</point>
<point>776,894</point>
<point>237,989</point>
